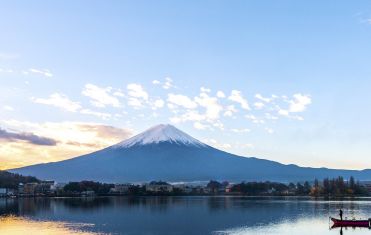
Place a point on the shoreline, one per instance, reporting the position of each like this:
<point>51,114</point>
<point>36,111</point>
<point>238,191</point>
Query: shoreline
<point>342,198</point>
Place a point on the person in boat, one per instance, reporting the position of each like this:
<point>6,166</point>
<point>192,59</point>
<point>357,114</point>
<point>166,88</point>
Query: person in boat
<point>341,214</point>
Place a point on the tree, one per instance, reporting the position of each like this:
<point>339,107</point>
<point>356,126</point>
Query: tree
<point>352,183</point>
<point>11,180</point>
<point>307,187</point>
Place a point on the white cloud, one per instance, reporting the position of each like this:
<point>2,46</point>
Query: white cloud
<point>200,126</point>
<point>8,108</point>
<point>137,91</point>
<point>217,145</point>
<point>260,97</point>
<point>101,97</point>
<point>244,130</point>
<point>250,117</point>
<point>175,120</point>
<point>205,90</point>
<point>189,115</point>
<point>299,103</point>
<point>259,105</point>
<point>156,82</point>
<point>218,124</point>
<point>211,105</point>
<point>135,102</point>
<point>168,83</point>
<point>269,130</point>
<point>237,97</point>
<point>220,94</point>
<point>299,118</point>
<point>283,112</point>
<point>230,110</point>
<point>248,145</point>
<point>270,116</point>
<point>172,107</point>
<point>104,116</point>
<point>44,72</point>
<point>119,93</point>
<point>254,119</point>
<point>181,100</point>
<point>159,103</point>
<point>60,101</point>
<point>138,96</point>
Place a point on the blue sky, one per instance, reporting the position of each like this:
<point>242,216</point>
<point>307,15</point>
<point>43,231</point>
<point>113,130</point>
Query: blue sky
<point>295,77</point>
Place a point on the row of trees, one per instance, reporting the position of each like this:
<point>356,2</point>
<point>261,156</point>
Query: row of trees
<point>328,187</point>
<point>10,180</point>
<point>78,187</point>
<point>338,187</point>
<point>260,188</point>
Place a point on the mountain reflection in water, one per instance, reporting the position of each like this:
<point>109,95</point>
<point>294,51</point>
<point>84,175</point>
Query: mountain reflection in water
<point>178,215</point>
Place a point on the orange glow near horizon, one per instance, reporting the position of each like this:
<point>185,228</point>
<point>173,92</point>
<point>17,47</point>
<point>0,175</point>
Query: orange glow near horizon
<point>12,225</point>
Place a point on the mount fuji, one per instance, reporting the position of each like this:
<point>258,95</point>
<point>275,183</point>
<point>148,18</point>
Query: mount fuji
<point>165,153</point>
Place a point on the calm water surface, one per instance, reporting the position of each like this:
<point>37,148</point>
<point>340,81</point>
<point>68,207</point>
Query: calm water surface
<point>177,215</point>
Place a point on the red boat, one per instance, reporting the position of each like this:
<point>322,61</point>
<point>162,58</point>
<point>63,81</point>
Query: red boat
<point>351,223</point>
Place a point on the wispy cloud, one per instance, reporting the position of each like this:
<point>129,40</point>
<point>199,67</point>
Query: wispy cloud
<point>137,95</point>
<point>243,130</point>
<point>60,101</point>
<point>237,97</point>
<point>43,72</point>
<point>101,96</point>
<point>28,137</point>
<point>64,140</point>
<point>299,103</point>
<point>168,83</point>
<point>8,108</point>
<point>181,100</point>
<point>220,94</point>
<point>8,56</point>
<point>104,116</point>
<point>213,108</point>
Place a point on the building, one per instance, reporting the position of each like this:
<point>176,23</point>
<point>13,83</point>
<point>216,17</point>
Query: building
<point>159,187</point>
<point>45,188</point>
<point>121,188</point>
<point>183,188</point>
<point>20,188</point>
<point>58,186</point>
<point>228,188</point>
<point>29,189</point>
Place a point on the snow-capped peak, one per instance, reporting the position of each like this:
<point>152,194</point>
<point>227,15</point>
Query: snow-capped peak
<point>160,133</point>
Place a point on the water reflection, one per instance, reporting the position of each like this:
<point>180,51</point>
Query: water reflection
<point>12,225</point>
<point>189,215</point>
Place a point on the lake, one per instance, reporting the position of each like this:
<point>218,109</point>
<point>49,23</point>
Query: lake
<point>177,215</point>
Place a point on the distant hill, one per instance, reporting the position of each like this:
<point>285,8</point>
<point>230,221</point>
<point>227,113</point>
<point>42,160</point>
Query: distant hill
<point>11,180</point>
<point>165,153</point>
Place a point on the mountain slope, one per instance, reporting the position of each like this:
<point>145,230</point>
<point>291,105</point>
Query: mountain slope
<point>166,153</point>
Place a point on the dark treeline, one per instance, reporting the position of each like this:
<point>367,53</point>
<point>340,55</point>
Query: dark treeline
<point>327,187</point>
<point>338,187</point>
<point>270,188</point>
<point>78,187</point>
<point>10,180</point>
